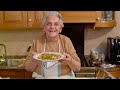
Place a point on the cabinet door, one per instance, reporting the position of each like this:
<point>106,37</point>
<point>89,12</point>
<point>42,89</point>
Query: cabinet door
<point>12,73</point>
<point>78,16</point>
<point>34,19</point>
<point>28,75</point>
<point>13,19</point>
<point>105,19</point>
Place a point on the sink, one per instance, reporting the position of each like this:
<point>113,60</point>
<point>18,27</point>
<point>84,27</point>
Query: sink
<point>15,62</point>
<point>86,72</point>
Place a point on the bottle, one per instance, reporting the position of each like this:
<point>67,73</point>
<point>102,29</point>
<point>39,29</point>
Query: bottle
<point>103,57</point>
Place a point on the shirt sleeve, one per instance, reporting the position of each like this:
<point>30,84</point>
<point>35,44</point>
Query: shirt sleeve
<point>70,49</point>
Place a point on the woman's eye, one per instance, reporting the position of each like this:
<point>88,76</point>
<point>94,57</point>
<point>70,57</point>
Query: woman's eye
<point>49,24</point>
<point>56,24</point>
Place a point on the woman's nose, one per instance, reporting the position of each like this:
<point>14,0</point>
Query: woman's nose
<point>52,26</point>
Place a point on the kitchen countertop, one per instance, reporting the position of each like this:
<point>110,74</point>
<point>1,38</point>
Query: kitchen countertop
<point>83,69</point>
<point>87,69</point>
<point>6,67</point>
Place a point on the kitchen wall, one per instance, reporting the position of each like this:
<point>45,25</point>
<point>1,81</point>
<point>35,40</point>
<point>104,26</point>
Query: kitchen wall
<point>98,38</point>
<point>17,41</point>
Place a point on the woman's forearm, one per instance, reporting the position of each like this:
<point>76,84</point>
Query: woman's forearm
<point>28,64</point>
<point>74,65</point>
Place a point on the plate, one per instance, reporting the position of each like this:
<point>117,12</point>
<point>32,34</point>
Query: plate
<point>49,56</point>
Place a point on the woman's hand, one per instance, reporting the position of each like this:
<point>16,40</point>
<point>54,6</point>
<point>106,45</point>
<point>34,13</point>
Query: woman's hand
<point>34,63</point>
<point>34,60</point>
<point>67,59</point>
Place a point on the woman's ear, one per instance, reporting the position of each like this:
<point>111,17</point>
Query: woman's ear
<point>60,31</point>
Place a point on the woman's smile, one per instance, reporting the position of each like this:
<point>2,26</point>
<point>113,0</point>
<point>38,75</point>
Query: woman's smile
<point>50,30</point>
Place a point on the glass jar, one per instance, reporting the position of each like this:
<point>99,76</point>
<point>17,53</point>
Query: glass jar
<point>108,15</point>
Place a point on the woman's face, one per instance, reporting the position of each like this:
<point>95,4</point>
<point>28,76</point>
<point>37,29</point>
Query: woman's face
<point>52,26</point>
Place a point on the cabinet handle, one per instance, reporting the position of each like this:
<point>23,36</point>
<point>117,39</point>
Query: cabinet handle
<point>98,19</point>
<point>30,20</point>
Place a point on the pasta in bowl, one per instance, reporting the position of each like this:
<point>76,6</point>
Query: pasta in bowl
<point>49,56</point>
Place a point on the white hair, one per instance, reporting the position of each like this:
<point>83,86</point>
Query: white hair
<point>52,13</point>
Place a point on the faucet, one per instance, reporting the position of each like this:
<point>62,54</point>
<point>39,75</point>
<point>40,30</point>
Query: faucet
<point>4,56</point>
<point>29,48</point>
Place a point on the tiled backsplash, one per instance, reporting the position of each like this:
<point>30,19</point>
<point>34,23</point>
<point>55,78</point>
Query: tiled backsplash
<point>17,41</point>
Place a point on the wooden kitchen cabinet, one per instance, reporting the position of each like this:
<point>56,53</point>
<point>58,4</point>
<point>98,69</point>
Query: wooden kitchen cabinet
<point>15,74</point>
<point>34,19</point>
<point>13,19</point>
<point>78,16</point>
<point>28,75</point>
<point>20,19</point>
<point>105,19</point>
<point>12,73</point>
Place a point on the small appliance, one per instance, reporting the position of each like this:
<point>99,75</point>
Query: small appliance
<point>113,48</point>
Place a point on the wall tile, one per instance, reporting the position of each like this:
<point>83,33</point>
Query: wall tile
<point>17,41</point>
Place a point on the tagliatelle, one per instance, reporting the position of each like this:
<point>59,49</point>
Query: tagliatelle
<point>49,56</point>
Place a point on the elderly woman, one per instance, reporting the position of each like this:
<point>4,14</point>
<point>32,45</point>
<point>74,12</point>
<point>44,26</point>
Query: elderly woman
<point>53,41</point>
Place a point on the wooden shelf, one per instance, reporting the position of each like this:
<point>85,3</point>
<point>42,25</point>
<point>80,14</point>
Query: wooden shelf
<point>108,24</point>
